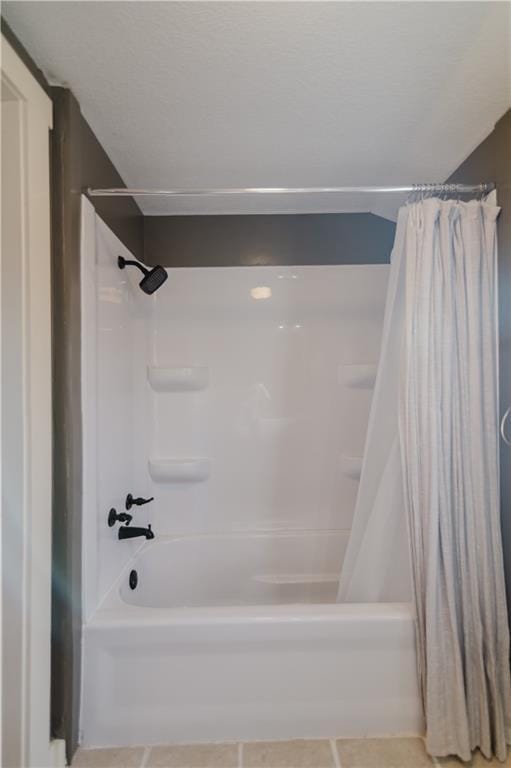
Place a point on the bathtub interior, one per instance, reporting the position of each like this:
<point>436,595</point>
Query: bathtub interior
<point>237,569</point>
<point>242,411</point>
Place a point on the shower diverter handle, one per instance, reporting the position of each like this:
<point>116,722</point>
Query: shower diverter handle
<point>131,501</point>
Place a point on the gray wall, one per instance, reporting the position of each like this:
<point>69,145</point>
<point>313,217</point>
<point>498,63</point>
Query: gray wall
<point>223,241</point>
<point>491,161</point>
<point>67,448</point>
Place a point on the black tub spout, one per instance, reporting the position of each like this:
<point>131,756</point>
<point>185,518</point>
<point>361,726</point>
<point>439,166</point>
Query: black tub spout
<point>132,532</point>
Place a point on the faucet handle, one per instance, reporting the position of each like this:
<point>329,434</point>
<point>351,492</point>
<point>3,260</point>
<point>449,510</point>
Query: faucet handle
<point>132,501</point>
<point>122,517</point>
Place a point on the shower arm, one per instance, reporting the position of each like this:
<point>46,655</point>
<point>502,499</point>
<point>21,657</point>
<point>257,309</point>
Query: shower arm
<point>122,262</point>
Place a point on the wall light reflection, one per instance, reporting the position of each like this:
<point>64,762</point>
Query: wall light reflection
<point>261,292</point>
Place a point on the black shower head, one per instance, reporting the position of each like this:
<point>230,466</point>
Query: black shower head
<point>152,279</point>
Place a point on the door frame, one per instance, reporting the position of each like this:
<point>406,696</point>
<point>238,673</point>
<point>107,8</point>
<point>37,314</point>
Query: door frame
<point>27,506</point>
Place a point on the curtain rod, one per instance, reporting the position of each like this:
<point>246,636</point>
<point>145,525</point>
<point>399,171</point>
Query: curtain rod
<point>427,188</point>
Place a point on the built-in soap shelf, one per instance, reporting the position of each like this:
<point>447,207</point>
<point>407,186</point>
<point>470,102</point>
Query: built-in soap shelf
<point>358,376</point>
<point>178,378</point>
<point>351,466</point>
<point>179,470</point>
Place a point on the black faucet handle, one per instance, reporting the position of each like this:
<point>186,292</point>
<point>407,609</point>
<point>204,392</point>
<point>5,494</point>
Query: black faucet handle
<point>131,501</point>
<point>121,517</point>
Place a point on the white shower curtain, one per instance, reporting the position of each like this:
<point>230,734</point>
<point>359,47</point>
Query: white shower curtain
<point>376,564</point>
<point>441,330</point>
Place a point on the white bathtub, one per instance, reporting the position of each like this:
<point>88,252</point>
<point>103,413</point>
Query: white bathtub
<point>202,650</point>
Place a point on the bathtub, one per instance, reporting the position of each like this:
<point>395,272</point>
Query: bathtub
<point>238,638</point>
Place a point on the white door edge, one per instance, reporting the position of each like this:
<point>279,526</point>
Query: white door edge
<point>32,508</point>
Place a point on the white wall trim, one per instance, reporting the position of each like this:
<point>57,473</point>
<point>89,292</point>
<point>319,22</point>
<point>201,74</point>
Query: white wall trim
<point>34,504</point>
<point>27,86</point>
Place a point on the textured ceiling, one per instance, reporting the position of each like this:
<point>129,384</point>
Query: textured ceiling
<point>236,94</point>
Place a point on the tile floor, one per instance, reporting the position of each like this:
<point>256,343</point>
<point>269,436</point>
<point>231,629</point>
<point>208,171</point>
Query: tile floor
<point>343,753</point>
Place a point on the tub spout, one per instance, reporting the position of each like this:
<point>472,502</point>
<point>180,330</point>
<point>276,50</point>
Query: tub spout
<point>132,532</point>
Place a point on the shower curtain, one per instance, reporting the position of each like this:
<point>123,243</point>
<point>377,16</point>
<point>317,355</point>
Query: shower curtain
<point>376,564</point>
<point>436,405</point>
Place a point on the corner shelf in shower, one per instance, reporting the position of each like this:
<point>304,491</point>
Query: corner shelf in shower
<point>179,470</point>
<point>351,466</point>
<point>358,376</point>
<point>178,378</point>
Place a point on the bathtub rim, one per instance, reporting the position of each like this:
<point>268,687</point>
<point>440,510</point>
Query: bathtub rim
<point>289,613</point>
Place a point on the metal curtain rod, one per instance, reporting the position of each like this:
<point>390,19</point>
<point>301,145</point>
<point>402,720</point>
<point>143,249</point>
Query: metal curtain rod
<point>427,188</point>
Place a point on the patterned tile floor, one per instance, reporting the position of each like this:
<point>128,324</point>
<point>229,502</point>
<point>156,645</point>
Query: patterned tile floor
<point>343,753</point>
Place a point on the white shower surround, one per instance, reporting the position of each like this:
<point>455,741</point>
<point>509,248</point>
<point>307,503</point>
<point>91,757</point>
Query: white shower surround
<point>197,396</point>
<point>115,321</point>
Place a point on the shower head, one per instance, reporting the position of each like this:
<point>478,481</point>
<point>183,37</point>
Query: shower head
<point>152,279</point>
